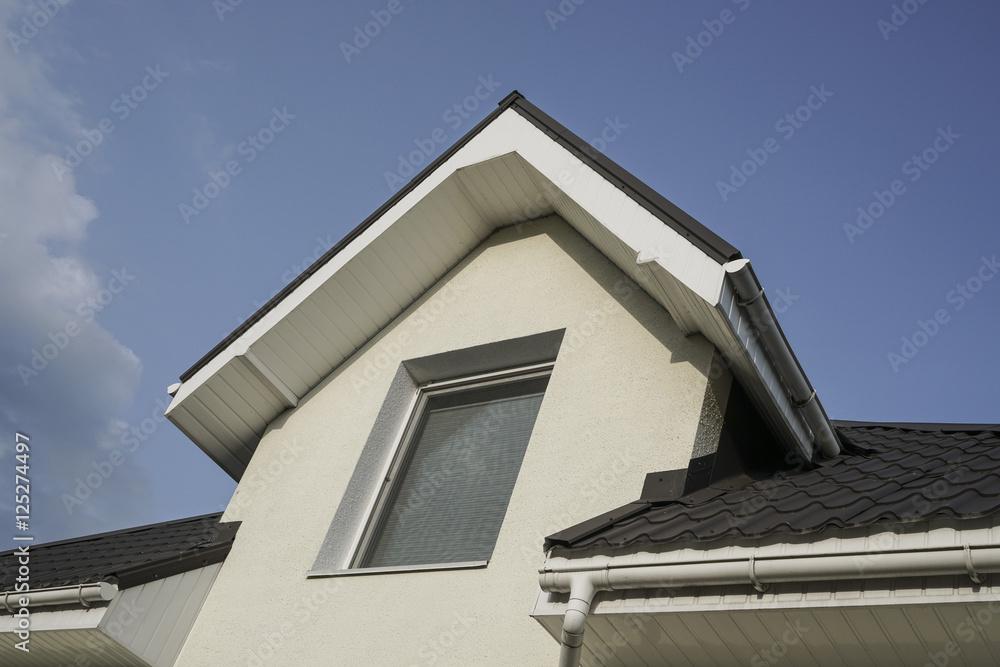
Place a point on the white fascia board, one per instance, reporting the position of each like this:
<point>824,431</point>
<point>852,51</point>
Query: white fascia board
<point>596,195</point>
<point>508,133</point>
<point>43,619</point>
<point>475,151</point>
<point>656,248</point>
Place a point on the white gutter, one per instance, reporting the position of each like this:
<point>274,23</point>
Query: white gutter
<point>800,392</point>
<point>585,578</point>
<point>82,595</point>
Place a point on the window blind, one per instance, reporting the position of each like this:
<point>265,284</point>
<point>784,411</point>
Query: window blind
<point>450,496</point>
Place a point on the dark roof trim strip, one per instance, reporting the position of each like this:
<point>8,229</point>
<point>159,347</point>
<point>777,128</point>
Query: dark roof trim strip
<point>692,230</point>
<point>202,556</point>
<point>591,527</point>
<point>919,426</point>
<point>666,211</point>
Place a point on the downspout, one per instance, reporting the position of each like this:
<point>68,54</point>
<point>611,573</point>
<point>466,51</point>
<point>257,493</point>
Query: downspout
<point>800,392</point>
<point>581,595</point>
<point>82,595</point>
<point>584,580</point>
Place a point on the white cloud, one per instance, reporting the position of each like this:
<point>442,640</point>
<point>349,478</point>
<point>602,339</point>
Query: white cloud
<point>71,407</point>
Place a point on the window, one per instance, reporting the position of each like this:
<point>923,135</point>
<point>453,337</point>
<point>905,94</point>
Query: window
<point>448,486</point>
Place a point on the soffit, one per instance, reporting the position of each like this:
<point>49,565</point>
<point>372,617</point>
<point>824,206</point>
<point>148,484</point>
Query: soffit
<point>227,404</point>
<point>898,631</point>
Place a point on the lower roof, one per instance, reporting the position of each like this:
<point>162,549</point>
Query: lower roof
<point>899,473</point>
<point>126,557</point>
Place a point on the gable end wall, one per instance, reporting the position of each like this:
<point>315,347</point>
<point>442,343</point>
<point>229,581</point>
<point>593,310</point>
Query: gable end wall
<point>624,398</point>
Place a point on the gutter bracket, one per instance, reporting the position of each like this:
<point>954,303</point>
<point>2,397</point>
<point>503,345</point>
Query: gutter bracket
<point>804,403</point>
<point>758,586</point>
<point>975,576</point>
<point>744,303</point>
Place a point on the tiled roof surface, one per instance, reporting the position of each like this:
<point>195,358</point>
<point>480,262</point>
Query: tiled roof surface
<point>894,472</point>
<point>128,556</point>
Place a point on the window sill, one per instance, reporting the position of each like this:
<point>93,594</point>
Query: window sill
<point>394,569</point>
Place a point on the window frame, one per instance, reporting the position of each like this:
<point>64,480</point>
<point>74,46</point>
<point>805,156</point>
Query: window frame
<point>405,444</point>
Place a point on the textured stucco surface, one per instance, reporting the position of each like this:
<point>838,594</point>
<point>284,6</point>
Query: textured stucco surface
<point>623,400</point>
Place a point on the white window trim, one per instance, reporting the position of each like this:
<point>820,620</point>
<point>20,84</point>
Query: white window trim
<point>339,549</point>
<point>406,441</point>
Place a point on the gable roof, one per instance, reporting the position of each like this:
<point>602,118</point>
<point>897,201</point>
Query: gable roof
<point>896,473</point>
<point>127,557</point>
<point>665,210</point>
<point>516,166</point>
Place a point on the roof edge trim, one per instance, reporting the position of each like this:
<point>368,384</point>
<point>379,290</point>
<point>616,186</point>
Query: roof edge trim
<point>664,210</point>
<point>918,426</point>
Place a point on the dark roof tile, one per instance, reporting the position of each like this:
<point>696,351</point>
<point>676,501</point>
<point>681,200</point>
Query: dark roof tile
<point>910,472</point>
<point>128,557</point>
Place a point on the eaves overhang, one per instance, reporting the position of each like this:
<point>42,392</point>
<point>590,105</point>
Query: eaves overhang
<point>665,210</point>
<point>515,167</point>
<point>856,595</point>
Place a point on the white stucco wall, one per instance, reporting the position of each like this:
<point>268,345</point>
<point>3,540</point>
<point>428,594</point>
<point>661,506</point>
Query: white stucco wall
<point>623,400</point>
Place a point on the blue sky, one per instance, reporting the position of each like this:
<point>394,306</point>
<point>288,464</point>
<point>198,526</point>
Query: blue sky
<point>771,123</point>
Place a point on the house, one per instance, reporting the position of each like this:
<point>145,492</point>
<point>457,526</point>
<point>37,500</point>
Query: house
<point>128,597</point>
<point>529,412</point>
